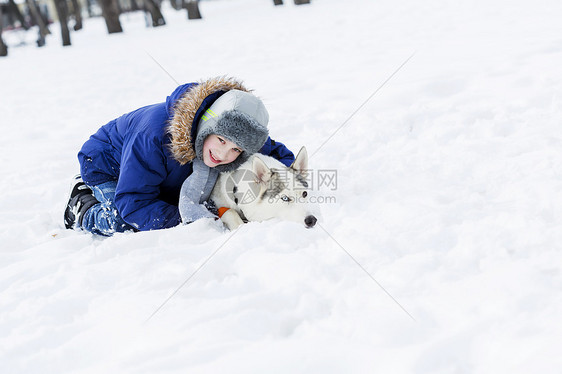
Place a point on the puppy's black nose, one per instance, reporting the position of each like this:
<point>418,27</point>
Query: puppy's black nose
<point>310,221</point>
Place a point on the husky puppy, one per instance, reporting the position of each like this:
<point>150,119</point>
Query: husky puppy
<point>263,188</point>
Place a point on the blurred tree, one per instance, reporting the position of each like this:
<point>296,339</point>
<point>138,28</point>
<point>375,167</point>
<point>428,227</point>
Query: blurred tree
<point>176,4</point>
<point>192,7</point>
<point>89,7</point>
<point>134,5</point>
<point>13,8</point>
<point>3,47</point>
<point>153,8</point>
<point>77,11</point>
<point>297,2</point>
<point>62,11</point>
<point>39,20</point>
<point>110,12</point>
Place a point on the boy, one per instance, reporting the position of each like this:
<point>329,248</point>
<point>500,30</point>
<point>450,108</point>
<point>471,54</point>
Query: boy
<point>132,169</point>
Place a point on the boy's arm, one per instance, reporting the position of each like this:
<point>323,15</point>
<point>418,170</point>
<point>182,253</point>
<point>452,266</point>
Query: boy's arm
<point>143,169</point>
<point>278,151</point>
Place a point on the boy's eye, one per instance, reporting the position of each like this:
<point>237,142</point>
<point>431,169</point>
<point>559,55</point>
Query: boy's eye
<point>221,140</point>
<point>237,150</point>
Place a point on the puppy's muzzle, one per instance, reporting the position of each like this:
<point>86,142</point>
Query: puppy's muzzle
<point>310,221</point>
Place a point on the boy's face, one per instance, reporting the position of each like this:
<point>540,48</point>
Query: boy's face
<point>217,150</point>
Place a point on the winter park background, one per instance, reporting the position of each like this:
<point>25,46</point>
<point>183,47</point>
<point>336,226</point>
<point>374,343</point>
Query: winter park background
<point>448,193</point>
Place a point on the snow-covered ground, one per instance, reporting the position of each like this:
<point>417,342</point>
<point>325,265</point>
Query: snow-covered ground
<point>449,194</point>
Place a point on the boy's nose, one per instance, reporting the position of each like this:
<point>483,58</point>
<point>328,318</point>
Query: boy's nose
<point>219,155</point>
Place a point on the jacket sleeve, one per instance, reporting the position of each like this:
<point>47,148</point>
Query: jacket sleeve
<point>278,150</point>
<point>143,169</point>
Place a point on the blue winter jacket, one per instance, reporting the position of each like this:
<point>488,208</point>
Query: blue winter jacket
<point>149,153</point>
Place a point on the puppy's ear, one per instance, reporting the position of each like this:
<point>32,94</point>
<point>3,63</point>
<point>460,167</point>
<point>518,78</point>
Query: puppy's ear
<point>260,169</point>
<point>301,162</point>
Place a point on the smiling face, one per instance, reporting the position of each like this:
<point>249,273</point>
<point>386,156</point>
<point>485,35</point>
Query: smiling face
<point>218,150</point>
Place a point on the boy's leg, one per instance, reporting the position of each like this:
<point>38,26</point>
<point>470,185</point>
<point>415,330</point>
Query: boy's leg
<point>103,218</point>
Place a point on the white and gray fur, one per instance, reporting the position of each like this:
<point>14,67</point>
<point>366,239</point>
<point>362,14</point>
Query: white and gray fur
<point>275,191</point>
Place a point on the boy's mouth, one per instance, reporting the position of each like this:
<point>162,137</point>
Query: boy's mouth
<point>214,160</point>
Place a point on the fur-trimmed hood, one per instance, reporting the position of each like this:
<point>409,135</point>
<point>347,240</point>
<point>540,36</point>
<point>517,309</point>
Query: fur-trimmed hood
<point>187,110</point>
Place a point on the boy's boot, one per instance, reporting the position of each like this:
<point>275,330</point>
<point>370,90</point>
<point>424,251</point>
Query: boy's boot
<point>81,199</point>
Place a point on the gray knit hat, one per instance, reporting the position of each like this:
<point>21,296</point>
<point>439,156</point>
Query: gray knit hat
<point>241,118</point>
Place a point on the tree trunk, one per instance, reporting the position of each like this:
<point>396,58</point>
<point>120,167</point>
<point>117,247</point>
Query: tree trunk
<point>39,20</point>
<point>77,9</point>
<point>89,8</point>
<point>192,7</point>
<point>155,13</point>
<point>277,2</point>
<point>301,2</point>
<point>176,4</point>
<point>134,5</point>
<point>3,47</point>
<point>16,11</point>
<point>110,12</point>
<point>44,14</point>
<point>62,12</point>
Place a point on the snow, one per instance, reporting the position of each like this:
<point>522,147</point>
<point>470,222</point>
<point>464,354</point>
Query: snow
<point>448,195</point>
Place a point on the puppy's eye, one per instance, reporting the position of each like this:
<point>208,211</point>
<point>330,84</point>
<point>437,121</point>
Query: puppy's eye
<point>304,194</point>
<point>285,198</point>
